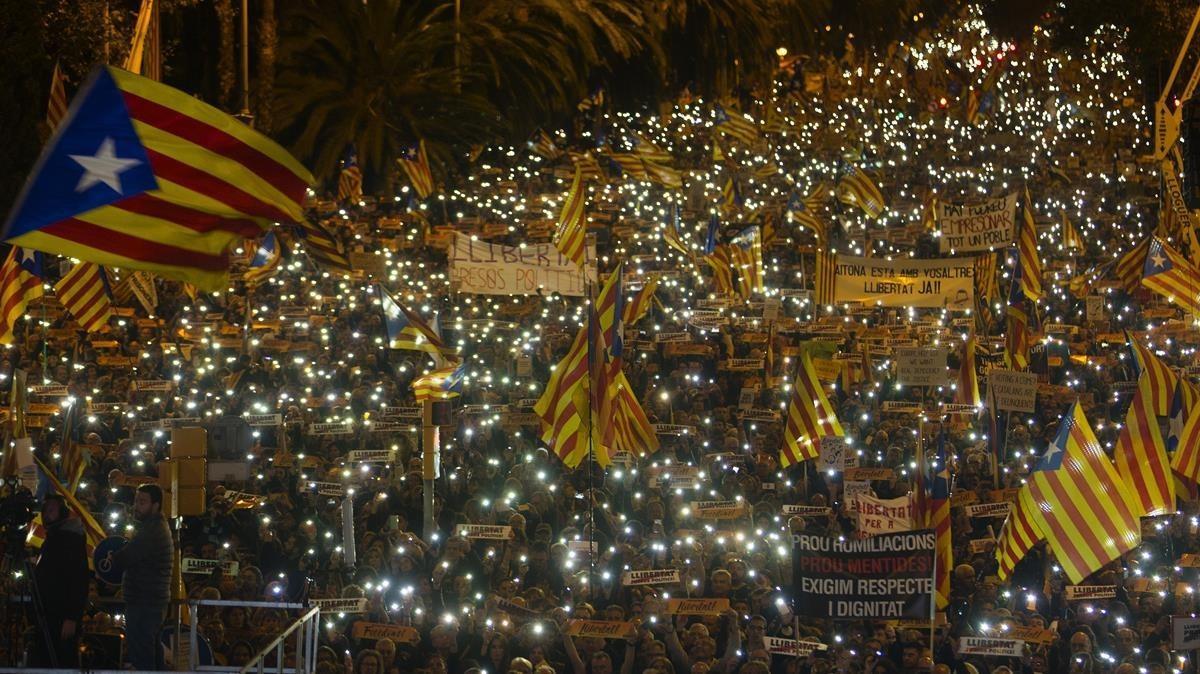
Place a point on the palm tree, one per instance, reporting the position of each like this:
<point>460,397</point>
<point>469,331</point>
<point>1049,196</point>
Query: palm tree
<point>379,75</point>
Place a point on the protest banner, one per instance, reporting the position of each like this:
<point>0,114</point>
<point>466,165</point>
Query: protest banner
<point>870,473</point>
<point>605,629</point>
<point>989,509</point>
<point>650,577</point>
<point>715,606</point>
<point>780,646</point>
<point>397,633</point>
<point>335,428</point>
<point>195,565</point>
<point>852,488</point>
<point>1012,391</point>
<point>486,531</point>
<point>806,510</point>
<point>880,516</point>
<point>921,367</point>
<point>905,282</point>
<point>718,510</point>
<point>1008,648</point>
<point>1185,633</point>
<point>262,420</point>
<point>531,269</point>
<point>351,605</point>
<point>979,226</point>
<point>880,577</point>
<point>1084,592</point>
<point>371,456</point>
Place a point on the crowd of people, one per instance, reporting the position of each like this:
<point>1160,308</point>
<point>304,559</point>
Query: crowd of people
<point>957,114</point>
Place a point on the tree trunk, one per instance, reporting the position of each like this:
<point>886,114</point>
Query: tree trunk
<point>226,64</point>
<point>268,41</point>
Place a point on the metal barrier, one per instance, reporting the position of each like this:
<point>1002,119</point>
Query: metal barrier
<point>306,627</point>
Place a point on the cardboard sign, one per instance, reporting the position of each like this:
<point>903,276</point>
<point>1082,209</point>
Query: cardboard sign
<point>328,488</point>
<point>352,605</point>
<point>1084,592</point>
<point>900,407</point>
<point>375,631</point>
<point>933,284</point>
<point>880,577</point>
<point>834,453</point>
<point>650,577</point>
<point>921,367</point>
<point>1030,634</point>
<point>1185,633</point>
<point>194,565</point>
<point>791,647</point>
<point>484,531</point>
<point>1007,648</point>
<point>715,606</point>
<point>605,629</point>
<point>1012,391</point>
<point>673,429</point>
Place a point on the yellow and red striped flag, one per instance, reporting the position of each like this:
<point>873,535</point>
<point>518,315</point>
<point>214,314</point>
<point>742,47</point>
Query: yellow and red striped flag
<point>571,236</point>
<point>1161,380</point>
<point>632,430</point>
<point>1027,253</point>
<point>143,176</point>
<point>630,165</point>
<point>747,259</point>
<point>415,163</point>
<point>825,262</point>
<point>1080,501</point>
<point>641,302</point>
<point>20,283</point>
<point>1186,461</point>
<point>441,384</point>
<point>1170,274</point>
<point>1070,235</point>
<point>586,164</point>
<point>1131,264</point>
<point>857,189</point>
<point>93,532</point>
<point>939,521</point>
<point>967,392</point>
<point>735,124</point>
<point>720,260</point>
<point>1141,456</point>
<point>810,417</point>
<point>85,294</point>
<point>564,407</point>
<point>1018,536</point>
<point>56,103</point>
<point>670,178</point>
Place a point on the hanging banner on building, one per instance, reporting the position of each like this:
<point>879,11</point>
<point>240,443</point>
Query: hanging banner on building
<point>906,282</point>
<point>980,226</point>
<point>882,577</point>
<point>530,269</point>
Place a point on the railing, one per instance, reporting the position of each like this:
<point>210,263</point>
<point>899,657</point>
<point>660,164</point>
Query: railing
<point>306,627</point>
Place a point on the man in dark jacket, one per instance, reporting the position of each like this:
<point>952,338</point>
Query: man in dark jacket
<point>146,584</point>
<point>62,578</point>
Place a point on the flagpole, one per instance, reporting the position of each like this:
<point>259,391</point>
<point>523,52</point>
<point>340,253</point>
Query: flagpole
<point>589,290</point>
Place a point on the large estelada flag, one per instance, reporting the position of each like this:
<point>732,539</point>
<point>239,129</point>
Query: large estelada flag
<point>143,176</point>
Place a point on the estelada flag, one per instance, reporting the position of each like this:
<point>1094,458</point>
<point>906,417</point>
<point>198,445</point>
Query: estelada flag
<point>142,176</point>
